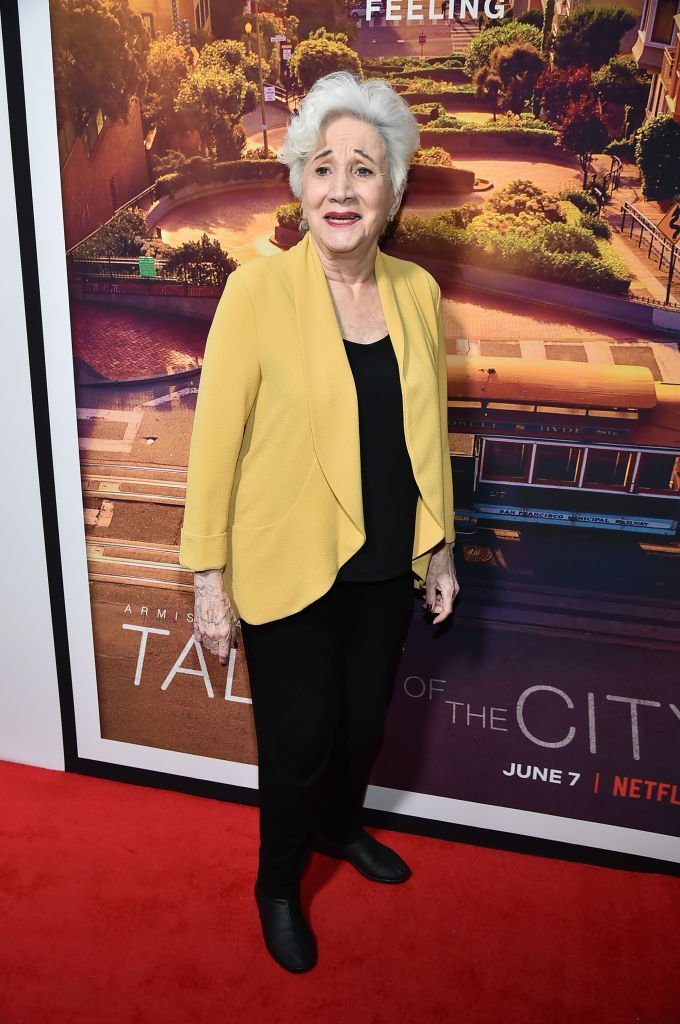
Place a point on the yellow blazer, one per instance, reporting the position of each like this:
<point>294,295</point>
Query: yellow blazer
<point>274,477</point>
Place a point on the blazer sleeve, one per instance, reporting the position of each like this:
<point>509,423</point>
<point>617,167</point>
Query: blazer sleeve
<point>447,477</point>
<point>230,378</point>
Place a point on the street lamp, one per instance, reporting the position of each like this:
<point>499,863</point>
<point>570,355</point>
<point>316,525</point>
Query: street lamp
<point>249,28</point>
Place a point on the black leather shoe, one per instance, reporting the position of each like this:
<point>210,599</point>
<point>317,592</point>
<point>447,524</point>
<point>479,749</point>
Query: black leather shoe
<point>372,858</point>
<point>286,933</point>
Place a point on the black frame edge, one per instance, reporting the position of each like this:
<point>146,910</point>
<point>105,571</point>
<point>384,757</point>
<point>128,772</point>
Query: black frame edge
<point>487,838</point>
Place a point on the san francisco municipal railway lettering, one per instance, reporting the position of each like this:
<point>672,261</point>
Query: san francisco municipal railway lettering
<point>460,423</point>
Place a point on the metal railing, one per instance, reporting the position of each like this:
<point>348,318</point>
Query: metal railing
<point>669,72</point>
<point>659,245</point>
<point>603,186</point>
<point>150,286</point>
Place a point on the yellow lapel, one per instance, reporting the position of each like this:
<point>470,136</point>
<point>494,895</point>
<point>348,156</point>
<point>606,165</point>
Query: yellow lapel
<point>330,385</point>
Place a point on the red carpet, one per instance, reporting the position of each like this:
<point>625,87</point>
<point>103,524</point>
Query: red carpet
<point>132,905</point>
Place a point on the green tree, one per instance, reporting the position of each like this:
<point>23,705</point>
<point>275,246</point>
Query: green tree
<point>478,53</point>
<point>518,66</point>
<point>489,84</point>
<point>270,25</point>
<point>313,14</point>
<point>584,132</point>
<point>592,35</point>
<point>201,263</point>
<point>100,49</point>
<point>222,88</point>
<point>546,27</point>
<point>124,235</point>
<point>623,83</point>
<point>657,154</point>
<point>214,102</point>
<point>167,67</point>
<point>226,16</point>
<point>556,89</point>
<point>533,17</point>
<point>228,55</point>
<point>316,57</point>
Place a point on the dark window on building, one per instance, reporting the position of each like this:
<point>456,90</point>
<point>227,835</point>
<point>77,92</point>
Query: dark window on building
<point>607,468</point>
<point>658,472</point>
<point>506,460</point>
<point>662,29</point>
<point>557,464</point>
<point>93,129</point>
<point>113,190</point>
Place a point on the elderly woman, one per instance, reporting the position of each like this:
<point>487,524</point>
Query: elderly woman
<point>319,490</point>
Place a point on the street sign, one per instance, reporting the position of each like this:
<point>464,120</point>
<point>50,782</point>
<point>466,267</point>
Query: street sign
<point>277,39</point>
<point>422,38</point>
<point>269,93</point>
<point>147,266</point>
<point>669,225</point>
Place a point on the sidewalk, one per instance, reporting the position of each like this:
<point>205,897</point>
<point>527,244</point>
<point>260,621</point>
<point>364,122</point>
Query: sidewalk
<point>648,280</point>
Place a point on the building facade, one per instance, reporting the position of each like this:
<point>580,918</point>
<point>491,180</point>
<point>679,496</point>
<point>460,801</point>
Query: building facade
<point>102,168</point>
<point>163,17</point>
<point>657,50</point>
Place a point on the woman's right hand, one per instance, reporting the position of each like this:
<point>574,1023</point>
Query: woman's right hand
<point>215,622</point>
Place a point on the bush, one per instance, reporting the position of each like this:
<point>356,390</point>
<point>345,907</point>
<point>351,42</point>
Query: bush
<point>524,136</point>
<point>199,169</point>
<point>489,223</point>
<point>257,153</point>
<point>657,152</point>
<point>201,263</point>
<point>459,216</point>
<point>428,85</point>
<point>522,196</point>
<point>524,244</point>
<point>424,112</point>
<point>288,214</point>
<point>206,172</point>
<point>433,156</point>
<point>623,148</point>
<point>431,236</point>
<point>599,227</point>
<point>171,161</point>
<point>124,235</point>
<point>582,200</point>
<point>561,238</point>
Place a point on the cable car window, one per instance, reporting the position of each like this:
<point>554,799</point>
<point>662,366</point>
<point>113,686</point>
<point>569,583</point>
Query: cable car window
<point>615,414</point>
<point>506,460</point>
<point>561,410</point>
<point>607,468</point>
<point>512,406</point>
<point>658,472</point>
<point>557,464</point>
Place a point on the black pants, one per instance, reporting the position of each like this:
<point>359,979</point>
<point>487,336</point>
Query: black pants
<point>321,680</point>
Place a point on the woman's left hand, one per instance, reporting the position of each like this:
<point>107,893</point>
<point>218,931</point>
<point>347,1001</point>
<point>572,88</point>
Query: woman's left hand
<point>441,584</point>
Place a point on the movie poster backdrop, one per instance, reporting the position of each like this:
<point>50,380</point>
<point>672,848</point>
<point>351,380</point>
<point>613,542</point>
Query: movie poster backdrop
<point>548,705</point>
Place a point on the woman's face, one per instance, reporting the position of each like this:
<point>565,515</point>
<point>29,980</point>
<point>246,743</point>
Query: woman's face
<point>346,186</point>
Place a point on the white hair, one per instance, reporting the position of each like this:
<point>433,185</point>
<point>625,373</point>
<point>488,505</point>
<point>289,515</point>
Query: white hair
<point>339,94</point>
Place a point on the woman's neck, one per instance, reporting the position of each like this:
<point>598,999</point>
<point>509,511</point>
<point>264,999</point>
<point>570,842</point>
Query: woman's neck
<point>350,268</point>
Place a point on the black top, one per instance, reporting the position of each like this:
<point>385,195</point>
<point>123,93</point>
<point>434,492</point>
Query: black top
<point>389,488</point>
